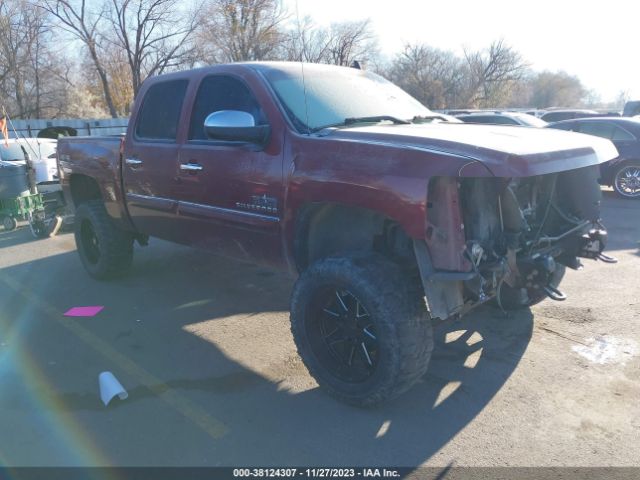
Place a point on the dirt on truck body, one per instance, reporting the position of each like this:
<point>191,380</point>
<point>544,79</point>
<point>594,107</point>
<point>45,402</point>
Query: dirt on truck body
<point>390,215</point>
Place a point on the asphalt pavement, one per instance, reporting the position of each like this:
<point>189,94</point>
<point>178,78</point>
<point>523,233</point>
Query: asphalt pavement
<point>203,347</point>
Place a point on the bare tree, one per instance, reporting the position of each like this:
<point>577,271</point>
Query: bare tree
<point>434,77</point>
<point>125,41</point>
<point>153,35</point>
<point>117,67</point>
<point>85,24</point>
<point>556,89</point>
<point>492,73</point>
<point>340,44</point>
<point>241,30</point>
<point>13,61</point>
<point>305,42</point>
<point>31,78</point>
<point>350,41</point>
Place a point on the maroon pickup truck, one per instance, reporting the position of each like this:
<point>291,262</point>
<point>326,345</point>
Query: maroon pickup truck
<point>389,215</point>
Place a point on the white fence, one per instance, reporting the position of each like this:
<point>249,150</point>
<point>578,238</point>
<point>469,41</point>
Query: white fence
<point>102,126</point>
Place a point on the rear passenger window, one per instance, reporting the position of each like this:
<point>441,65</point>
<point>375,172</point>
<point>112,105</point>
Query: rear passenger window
<point>557,116</point>
<point>621,134</point>
<point>604,130</point>
<point>160,113</point>
<point>222,93</point>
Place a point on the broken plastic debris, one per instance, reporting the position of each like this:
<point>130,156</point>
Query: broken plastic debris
<point>110,387</point>
<point>83,311</point>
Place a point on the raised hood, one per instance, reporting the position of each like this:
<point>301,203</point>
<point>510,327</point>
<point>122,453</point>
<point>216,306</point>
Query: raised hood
<point>505,151</point>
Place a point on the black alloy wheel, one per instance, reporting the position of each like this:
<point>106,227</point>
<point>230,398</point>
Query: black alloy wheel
<point>342,335</point>
<point>361,327</point>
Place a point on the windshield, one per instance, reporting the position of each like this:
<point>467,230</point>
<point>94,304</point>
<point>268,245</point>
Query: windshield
<point>11,153</point>
<point>335,94</point>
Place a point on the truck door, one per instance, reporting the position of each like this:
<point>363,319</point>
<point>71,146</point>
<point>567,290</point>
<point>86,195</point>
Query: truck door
<point>150,161</point>
<point>232,191</point>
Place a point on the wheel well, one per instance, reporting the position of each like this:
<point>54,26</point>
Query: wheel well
<point>624,163</point>
<point>609,177</point>
<point>83,189</point>
<point>331,228</point>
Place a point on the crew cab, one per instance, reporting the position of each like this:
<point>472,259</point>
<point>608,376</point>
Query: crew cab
<point>389,216</point>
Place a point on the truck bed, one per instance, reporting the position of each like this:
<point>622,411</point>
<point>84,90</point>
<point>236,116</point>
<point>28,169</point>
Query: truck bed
<point>96,158</point>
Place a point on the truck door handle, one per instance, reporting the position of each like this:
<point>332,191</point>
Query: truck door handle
<point>133,162</point>
<point>191,167</point>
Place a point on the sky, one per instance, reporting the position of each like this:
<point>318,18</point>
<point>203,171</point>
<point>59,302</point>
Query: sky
<point>596,41</point>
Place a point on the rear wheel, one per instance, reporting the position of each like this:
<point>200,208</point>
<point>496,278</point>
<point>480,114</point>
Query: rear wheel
<point>361,328</point>
<point>105,250</point>
<point>9,223</point>
<point>626,180</point>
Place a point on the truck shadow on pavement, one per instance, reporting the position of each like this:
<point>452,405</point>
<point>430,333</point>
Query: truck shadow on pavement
<point>15,237</point>
<point>214,332</point>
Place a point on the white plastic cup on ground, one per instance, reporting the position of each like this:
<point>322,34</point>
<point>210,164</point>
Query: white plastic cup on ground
<point>110,387</point>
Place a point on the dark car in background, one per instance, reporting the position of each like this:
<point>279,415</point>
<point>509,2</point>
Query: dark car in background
<point>568,114</point>
<point>503,118</point>
<point>622,173</point>
<point>631,108</point>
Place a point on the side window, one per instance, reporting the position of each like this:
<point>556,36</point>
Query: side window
<point>564,126</point>
<point>557,116</point>
<point>222,93</point>
<point>599,129</point>
<point>484,119</point>
<point>160,112</point>
<point>501,120</point>
<point>621,134</point>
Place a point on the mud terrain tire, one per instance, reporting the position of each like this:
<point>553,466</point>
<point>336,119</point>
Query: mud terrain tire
<point>383,297</point>
<point>105,250</point>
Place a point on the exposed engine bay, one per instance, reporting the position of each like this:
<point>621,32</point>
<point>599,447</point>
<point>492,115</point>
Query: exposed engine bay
<point>508,239</point>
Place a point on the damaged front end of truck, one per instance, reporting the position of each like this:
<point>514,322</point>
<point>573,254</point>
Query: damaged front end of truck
<point>508,239</point>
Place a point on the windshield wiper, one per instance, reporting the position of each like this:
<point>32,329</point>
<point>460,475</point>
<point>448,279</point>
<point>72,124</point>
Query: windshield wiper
<point>427,118</point>
<point>355,120</point>
<point>375,119</point>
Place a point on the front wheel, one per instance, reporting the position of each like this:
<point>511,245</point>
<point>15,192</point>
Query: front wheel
<point>511,298</point>
<point>105,250</point>
<point>626,181</point>
<point>361,328</point>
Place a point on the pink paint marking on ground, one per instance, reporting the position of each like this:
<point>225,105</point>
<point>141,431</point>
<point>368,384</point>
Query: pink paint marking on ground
<point>83,311</point>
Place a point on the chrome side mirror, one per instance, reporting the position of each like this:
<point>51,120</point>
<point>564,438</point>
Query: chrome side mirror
<point>235,126</point>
